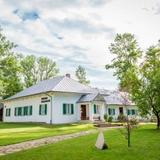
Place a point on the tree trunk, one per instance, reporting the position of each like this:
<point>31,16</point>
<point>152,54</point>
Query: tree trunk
<point>158,122</point>
<point>129,134</point>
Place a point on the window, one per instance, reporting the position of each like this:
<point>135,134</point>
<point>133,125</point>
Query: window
<point>23,111</point>
<point>16,111</point>
<point>8,112</point>
<point>30,110</point>
<point>19,111</point>
<point>68,109</point>
<point>111,111</point>
<point>42,109</point>
<point>131,112</point>
<point>96,109</point>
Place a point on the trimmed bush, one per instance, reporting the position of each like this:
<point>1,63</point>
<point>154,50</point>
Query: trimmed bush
<point>110,119</point>
<point>122,118</point>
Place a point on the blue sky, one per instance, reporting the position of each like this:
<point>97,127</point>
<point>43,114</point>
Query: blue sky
<point>79,32</point>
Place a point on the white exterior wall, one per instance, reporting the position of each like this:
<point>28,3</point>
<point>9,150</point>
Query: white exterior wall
<point>58,100</point>
<point>116,111</point>
<point>57,108</point>
<point>116,107</point>
<point>101,110</point>
<point>35,101</point>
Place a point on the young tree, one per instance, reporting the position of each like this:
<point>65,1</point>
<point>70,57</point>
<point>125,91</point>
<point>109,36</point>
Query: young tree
<point>10,82</point>
<point>37,69</point>
<point>129,123</point>
<point>81,75</point>
<point>142,81</point>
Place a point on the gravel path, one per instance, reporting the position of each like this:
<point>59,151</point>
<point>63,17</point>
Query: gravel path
<point>40,142</point>
<point>43,141</point>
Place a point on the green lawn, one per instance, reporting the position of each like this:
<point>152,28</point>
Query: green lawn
<point>18,132</point>
<point>145,146</point>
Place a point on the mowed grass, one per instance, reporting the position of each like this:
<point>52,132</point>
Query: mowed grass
<point>18,132</point>
<point>145,146</point>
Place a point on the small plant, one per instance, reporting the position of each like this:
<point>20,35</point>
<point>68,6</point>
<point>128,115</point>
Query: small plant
<point>106,117</point>
<point>133,122</point>
<point>110,119</point>
<point>122,118</point>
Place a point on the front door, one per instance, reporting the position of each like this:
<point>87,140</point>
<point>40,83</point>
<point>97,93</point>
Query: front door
<point>83,112</point>
<point>120,110</point>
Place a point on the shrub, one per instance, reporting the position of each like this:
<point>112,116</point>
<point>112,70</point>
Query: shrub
<point>122,118</point>
<point>133,121</point>
<point>106,117</point>
<point>110,119</point>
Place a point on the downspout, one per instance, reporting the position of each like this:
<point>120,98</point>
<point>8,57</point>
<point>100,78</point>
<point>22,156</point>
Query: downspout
<point>51,108</point>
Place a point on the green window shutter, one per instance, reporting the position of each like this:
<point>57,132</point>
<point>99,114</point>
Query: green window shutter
<point>72,109</point>
<point>64,108</point>
<point>45,109</point>
<point>40,106</point>
<point>109,111</point>
<point>128,112</point>
<point>94,106</point>
<point>133,112</point>
<point>25,111</point>
<point>30,110</point>
<point>9,112</point>
<point>19,111</point>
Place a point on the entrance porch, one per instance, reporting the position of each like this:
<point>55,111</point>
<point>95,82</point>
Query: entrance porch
<point>91,111</point>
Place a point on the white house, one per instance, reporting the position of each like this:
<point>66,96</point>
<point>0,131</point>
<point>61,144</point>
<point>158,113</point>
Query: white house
<point>64,100</point>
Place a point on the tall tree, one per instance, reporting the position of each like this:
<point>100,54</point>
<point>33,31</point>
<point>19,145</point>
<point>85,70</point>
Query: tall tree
<point>81,75</point>
<point>146,87</point>
<point>47,68</point>
<point>38,69</point>
<point>141,80</point>
<point>10,82</point>
<point>29,70</point>
<point>126,51</point>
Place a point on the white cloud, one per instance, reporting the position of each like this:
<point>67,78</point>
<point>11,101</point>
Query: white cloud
<point>78,32</point>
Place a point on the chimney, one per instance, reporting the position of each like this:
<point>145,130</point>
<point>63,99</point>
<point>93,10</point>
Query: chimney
<point>68,75</point>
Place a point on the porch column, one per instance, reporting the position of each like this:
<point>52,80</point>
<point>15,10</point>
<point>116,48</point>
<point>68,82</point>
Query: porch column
<point>102,112</point>
<point>90,111</point>
<point>78,112</point>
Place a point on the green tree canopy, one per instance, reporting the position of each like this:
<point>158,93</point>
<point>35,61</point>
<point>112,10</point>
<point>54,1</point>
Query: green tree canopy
<point>36,69</point>
<point>81,75</point>
<point>126,53</point>
<point>10,81</point>
<point>139,76</point>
